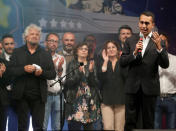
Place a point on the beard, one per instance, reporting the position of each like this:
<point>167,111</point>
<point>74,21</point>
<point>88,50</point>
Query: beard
<point>33,43</point>
<point>68,48</point>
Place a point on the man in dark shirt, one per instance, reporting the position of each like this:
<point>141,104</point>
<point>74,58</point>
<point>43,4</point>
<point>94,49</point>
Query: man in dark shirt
<point>31,66</point>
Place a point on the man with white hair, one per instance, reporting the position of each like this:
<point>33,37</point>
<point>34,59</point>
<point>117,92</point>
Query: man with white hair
<point>31,66</point>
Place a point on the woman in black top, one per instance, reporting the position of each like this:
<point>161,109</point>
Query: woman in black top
<point>112,87</point>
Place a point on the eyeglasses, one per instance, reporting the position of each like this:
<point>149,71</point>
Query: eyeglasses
<point>52,41</point>
<point>9,43</point>
<point>86,49</point>
<point>144,22</point>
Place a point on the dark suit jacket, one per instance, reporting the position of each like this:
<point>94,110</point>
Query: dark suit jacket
<point>143,73</point>
<point>17,63</point>
<point>4,81</point>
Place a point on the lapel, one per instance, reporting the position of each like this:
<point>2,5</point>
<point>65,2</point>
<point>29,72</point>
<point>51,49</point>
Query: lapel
<point>150,44</point>
<point>23,57</point>
<point>3,55</point>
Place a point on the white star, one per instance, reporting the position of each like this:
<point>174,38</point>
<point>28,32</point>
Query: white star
<point>53,23</point>
<point>71,24</point>
<point>79,25</point>
<point>63,23</point>
<point>42,22</point>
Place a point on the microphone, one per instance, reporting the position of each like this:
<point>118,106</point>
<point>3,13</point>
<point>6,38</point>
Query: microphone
<point>60,79</point>
<point>81,64</point>
<point>140,50</point>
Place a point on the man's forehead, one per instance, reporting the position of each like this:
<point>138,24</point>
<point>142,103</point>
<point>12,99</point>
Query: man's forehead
<point>8,38</point>
<point>146,18</point>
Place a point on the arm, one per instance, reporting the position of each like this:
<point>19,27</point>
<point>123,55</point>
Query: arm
<point>73,75</point>
<point>15,68</point>
<point>161,48</point>
<point>64,70</point>
<point>163,59</point>
<point>127,56</point>
<point>48,72</point>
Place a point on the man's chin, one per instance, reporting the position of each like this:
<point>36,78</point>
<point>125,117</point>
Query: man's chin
<point>33,43</point>
<point>69,49</point>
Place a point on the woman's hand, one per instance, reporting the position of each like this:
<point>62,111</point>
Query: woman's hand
<point>104,55</point>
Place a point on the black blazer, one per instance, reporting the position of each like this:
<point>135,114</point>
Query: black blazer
<point>143,73</point>
<point>17,63</point>
<point>4,81</point>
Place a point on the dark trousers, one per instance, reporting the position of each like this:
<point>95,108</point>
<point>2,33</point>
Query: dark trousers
<point>135,103</point>
<point>167,106</point>
<point>74,125</point>
<point>24,108</point>
<point>3,118</point>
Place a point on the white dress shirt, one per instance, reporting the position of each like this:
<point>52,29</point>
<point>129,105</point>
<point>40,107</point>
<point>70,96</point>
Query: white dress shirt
<point>56,88</point>
<point>145,41</point>
<point>7,57</point>
<point>168,76</point>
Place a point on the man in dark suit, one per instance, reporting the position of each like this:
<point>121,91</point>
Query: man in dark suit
<point>142,85</point>
<point>3,92</point>
<point>31,66</point>
<point>8,44</point>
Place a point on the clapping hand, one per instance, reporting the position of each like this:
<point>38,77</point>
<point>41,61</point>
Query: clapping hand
<point>157,40</point>
<point>91,65</point>
<point>105,56</point>
<point>2,69</point>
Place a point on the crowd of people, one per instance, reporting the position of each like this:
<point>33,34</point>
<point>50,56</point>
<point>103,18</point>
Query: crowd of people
<point>129,85</point>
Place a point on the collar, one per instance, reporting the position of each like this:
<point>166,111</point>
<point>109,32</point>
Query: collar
<point>149,35</point>
<point>7,56</point>
<point>37,49</point>
<point>66,53</point>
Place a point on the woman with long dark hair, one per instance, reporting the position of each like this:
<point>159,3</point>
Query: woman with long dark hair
<point>112,88</point>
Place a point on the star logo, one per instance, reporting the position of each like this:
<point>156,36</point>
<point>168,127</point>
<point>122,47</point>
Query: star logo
<point>71,24</point>
<point>4,12</point>
<point>42,22</point>
<point>63,24</point>
<point>79,25</point>
<point>53,23</point>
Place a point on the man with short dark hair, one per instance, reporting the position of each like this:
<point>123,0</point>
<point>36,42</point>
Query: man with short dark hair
<point>8,43</point>
<point>3,92</point>
<point>166,102</point>
<point>125,31</point>
<point>53,104</point>
<point>143,54</point>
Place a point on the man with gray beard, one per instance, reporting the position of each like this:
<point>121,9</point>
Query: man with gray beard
<point>31,66</point>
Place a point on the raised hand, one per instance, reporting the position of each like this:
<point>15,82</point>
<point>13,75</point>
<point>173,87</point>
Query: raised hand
<point>105,56</point>
<point>55,60</point>
<point>91,65</point>
<point>2,69</point>
<point>157,40</point>
<point>81,69</point>
<point>61,62</point>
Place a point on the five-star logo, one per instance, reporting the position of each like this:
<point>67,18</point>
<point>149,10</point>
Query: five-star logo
<point>4,12</point>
